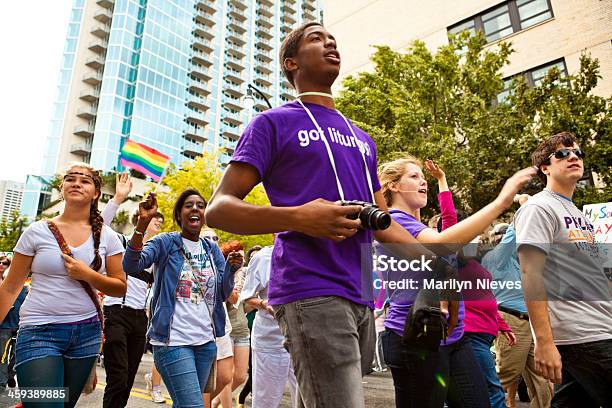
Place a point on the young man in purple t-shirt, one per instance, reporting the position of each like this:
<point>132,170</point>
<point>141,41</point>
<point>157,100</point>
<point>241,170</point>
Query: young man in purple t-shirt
<point>308,157</point>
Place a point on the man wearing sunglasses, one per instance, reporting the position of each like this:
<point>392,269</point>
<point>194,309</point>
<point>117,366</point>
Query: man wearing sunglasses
<point>567,294</point>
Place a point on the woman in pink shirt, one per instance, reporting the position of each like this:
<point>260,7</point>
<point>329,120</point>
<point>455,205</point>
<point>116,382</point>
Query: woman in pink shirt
<point>482,322</point>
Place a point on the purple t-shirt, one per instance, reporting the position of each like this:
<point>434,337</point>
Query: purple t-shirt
<point>401,300</point>
<point>286,149</point>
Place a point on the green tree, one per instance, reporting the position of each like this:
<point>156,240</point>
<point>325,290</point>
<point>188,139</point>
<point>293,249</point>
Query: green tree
<point>10,231</point>
<point>204,174</point>
<point>443,106</point>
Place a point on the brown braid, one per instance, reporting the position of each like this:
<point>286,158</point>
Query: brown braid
<point>97,222</point>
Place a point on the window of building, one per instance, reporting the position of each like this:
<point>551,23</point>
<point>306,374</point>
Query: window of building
<point>504,19</point>
<point>533,11</point>
<point>533,77</point>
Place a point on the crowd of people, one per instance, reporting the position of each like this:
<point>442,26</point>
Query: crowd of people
<point>300,313</point>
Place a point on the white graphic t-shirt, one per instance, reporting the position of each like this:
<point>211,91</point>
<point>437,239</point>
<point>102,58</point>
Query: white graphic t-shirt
<point>195,299</point>
<point>579,298</point>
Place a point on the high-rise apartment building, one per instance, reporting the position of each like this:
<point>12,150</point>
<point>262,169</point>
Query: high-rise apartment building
<point>171,74</point>
<point>544,33</point>
<point>11,193</point>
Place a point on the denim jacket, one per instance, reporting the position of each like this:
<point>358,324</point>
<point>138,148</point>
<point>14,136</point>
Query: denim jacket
<point>11,321</point>
<point>164,250</point>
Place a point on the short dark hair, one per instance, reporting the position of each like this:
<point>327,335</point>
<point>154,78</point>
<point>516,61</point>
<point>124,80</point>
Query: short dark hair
<point>180,201</point>
<point>250,254</point>
<point>291,44</point>
<point>541,154</point>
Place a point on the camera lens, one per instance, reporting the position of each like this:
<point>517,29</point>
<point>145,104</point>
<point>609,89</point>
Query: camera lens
<point>374,219</point>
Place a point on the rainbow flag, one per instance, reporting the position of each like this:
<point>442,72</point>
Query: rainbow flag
<point>144,159</point>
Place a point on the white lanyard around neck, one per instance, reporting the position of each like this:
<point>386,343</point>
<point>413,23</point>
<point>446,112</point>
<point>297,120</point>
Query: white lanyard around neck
<point>331,156</point>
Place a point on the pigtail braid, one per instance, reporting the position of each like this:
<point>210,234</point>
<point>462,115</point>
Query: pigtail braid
<point>97,223</point>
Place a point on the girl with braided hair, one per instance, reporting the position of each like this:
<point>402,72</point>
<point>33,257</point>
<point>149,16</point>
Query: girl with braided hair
<point>68,256</point>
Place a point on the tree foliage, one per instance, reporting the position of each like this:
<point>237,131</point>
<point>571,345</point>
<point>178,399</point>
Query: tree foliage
<point>10,231</point>
<point>204,174</point>
<point>443,106</point>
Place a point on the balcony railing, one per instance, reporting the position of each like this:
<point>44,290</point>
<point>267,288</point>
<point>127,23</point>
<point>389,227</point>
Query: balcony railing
<point>87,113</point>
<point>82,149</point>
<point>235,62</point>
<point>89,95</point>
<point>241,4</point>
<point>263,20</point>
<point>206,5</point>
<point>108,4</point>
<point>192,148</point>
<point>308,16</point>
<point>103,15</point>
<point>234,75</point>
<point>200,71</point>
<point>235,50</point>
<point>263,55</point>
<point>92,77</point>
<point>205,19</point>
<point>232,117</point>
<point>199,87</point>
<point>100,31</point>
<point>95,62</point>
<point>197,102</point>
<point>197,117</point>
<point>233,89</point>
<point>236,13</point>
<point>196,133</point>
<point>84,130</point>
<point>307,4</point>
<point>265,10</point>
<point>99,46</point>
<point>236,25</point>
<point>230,132</point>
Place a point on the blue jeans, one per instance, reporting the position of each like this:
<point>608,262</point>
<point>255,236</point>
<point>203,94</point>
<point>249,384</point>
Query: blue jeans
<point>57,355</point>
<point>185,371</point>
<point>481,344</point>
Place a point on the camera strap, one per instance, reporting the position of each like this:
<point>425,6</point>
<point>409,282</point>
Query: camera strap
<point>331,155</point>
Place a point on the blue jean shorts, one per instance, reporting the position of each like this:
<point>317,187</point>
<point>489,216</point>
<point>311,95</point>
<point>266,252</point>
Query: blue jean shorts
<point>70,340</point>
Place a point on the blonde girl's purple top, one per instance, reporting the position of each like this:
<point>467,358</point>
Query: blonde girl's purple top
<point>400,301</point>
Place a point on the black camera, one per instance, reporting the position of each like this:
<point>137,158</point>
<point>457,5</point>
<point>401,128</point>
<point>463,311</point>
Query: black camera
<point>370,215</point>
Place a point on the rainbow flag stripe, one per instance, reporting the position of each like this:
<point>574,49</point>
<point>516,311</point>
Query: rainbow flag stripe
<point>143,159</point>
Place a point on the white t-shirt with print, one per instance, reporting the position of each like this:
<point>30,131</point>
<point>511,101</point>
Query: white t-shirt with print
<point>191,324</point>
<point>54,296</point>
<point>579,298</point>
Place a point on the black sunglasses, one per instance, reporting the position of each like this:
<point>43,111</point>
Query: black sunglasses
<point>5,263</point>
<point>565,153</point>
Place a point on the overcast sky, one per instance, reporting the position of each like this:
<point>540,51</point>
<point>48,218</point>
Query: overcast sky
<point>32,37</point>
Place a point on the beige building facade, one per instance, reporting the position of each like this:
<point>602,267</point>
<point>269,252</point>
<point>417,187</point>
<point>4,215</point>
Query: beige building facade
<point>543,32</point>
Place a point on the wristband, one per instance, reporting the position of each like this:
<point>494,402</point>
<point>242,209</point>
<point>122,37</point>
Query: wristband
<point>136,232</point>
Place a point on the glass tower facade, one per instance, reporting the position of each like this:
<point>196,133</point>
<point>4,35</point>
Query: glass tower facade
<point>171,74</point>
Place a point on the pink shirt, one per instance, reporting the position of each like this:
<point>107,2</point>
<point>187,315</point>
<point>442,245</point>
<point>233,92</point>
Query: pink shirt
<point>481,315</point>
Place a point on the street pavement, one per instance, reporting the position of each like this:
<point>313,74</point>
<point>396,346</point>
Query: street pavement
<point>378,388</point>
